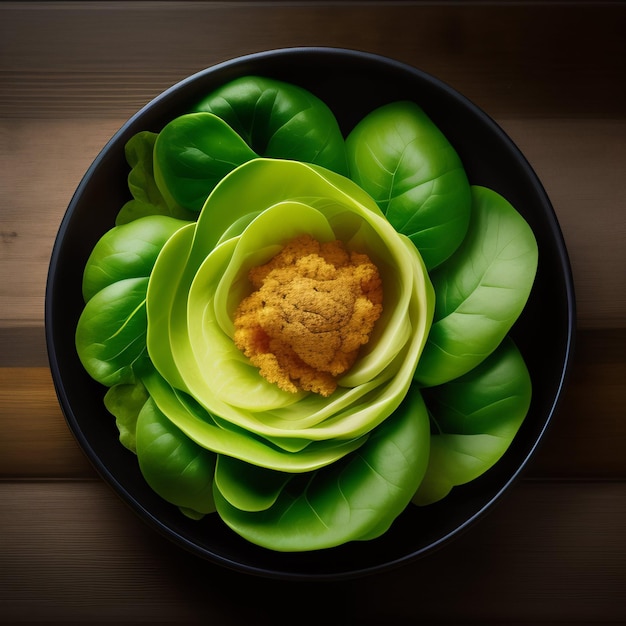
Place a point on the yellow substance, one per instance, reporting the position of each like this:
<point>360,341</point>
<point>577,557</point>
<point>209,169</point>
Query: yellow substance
<point>314,305</point>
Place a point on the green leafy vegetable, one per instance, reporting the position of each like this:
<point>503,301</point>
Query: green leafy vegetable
<point>475,417</point>
<point>433,399</point>
<point>189,304</point>
<point>356,498</point>
<point>147,199</point>
<point>124,402</point>
<point>111,333</point>
<point>481,290</point>
<point>280,120</point>
<point>248,487</point>
<point>192,154</point>
<point>412,171</point>
<point>127,251</point>
<point>179,470</point>
<point>237,123</point>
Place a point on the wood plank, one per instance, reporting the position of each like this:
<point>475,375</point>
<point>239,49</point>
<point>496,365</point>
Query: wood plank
<point>36,441</point>
<point>100,59</point>
<point>55,155</point>
<point>577,161</point>
<point>586,437</point>
<point>71,551</point>
<point>23,346</point>
<point>584,441</point>
<point>580,164</point>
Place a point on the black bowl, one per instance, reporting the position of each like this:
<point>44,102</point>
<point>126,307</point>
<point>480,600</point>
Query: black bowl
<point>352,84</point>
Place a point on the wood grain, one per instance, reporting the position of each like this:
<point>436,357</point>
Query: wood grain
<point>73,59</point>
<point>551,552</point>
<point>36,441</point>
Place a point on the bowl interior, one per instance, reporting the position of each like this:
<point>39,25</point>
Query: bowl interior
<point>352,84</point>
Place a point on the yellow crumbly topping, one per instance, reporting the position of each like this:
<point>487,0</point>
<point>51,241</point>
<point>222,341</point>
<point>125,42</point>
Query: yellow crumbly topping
<point>313,306</point>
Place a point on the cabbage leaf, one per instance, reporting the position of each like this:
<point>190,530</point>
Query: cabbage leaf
<point>475,419</point>
<point>481,290</point>
<point>356,498</point>
<point>408,166</point>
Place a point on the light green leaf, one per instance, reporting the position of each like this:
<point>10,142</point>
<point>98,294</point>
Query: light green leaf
<point>224,438</point>
<point>165,291</point>
<point>192,282</point>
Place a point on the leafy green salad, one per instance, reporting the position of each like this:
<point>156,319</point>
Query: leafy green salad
<point>305,333</point>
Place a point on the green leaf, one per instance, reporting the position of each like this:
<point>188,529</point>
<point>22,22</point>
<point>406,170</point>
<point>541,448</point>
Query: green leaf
<point>190,303</point>
<point>147,199</point>
<point>177,469</point>
<point>111,333</point>
<point>481,290</point>
<point>412,171</point>
<point>192,154</point>
<point>248,487</point>
<point>124,402</point>
<point>223,438</point>
<point>476,418</point>
<point>280,120</point>
<point>127,251</point>
<point>162,296</point>
<point>356,498</point>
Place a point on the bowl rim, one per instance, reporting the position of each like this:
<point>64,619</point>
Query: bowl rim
<point>74,422</point>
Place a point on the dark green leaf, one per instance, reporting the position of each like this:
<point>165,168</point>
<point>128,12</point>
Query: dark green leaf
<point>111,333</point>
<point>147,199</point>
<point>124,402</point>
<point>481,290</point>
<point>356,498</point>
<point>412,171</point>
<point>192,154</point>
<point>176,468</point>
<point>476,418</point>
<point>279,120</point>
<point>127,251</point>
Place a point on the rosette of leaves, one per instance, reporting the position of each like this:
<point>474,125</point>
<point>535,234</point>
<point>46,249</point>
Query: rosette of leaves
<point>433,400</point>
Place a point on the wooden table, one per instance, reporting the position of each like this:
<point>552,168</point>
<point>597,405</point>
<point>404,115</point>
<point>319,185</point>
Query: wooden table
<point>551,74</point>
